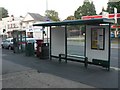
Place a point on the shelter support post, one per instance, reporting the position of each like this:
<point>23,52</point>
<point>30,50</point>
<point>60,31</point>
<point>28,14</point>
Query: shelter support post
<point>86,62</point>
<point>109,50</point>
<point>86,59</point>
<point>50,45</point>
<point>59,58</point>
<point>66,43</point>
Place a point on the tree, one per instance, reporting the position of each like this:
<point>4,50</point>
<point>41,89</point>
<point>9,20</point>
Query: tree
<point>102,11</point>
<point>113,4</point>
<point>88,8</point>
<point>3,13</point>
<point>70,18</point>
<point>52,14</point>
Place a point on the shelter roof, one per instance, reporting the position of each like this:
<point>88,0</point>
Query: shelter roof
<point>77,22</point>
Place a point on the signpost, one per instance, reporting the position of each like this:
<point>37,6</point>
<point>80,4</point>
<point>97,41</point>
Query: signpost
<point>115,17</point>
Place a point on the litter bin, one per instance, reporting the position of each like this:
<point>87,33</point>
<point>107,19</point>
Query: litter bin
<point>44,51</point>
<point>29,49</point>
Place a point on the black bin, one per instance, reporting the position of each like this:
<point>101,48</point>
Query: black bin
<point>44,51</point>
<point>29,49</point>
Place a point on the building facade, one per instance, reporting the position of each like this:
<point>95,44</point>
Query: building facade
<point>10,24</point>
<point>27,24</point>
<point>4,26</point>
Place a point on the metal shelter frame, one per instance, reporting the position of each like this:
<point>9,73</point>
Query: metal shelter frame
<point>95,22</point>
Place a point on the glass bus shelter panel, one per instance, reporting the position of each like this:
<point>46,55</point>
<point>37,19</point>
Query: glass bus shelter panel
<point>57,40</point>
<point>75,40</point>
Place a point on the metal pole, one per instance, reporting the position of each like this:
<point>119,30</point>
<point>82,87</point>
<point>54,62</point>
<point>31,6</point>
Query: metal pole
<point>115,17</point>
<point>50,44</point>
<point>47,17</point>
<point>66,43</point>
<point>46,4</point>
<point>47,34</point>
<point>43,35</point>
<point>109,48</point>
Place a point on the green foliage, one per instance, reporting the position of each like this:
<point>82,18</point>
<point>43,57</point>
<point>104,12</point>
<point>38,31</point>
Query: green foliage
<point>72,27</point>
<point>88,8</point>
<point>3,13</point>
<point>102,11</point>
<point>113,4</point>
<point>112,29</point>
<point>70,18</point>
<point>52,14</point>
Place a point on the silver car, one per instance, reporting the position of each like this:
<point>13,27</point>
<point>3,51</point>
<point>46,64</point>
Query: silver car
<point>8,43</point>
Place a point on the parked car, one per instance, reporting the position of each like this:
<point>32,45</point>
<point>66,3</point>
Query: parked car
<point>112,35</point>
<point>119,35</point>
<point>7,43</point>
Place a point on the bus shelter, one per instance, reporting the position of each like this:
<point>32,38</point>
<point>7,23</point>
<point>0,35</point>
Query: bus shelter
<point>97,41</point>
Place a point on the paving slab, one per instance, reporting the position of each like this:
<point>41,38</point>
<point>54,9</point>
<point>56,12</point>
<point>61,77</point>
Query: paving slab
<point>34,79</point>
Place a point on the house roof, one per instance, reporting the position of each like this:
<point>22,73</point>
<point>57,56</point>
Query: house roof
<point>37,17</point>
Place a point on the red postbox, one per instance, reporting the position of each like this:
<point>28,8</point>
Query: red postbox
<point>39,44</point>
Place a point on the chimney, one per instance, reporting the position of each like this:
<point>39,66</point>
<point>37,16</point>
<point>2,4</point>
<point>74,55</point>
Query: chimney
<point>12,17</point>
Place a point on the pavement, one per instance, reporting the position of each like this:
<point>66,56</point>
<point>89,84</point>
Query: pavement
<point>35,79</point>
<point>20,71</point>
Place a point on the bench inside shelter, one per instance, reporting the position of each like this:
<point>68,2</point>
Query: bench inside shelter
<point>72,57</point>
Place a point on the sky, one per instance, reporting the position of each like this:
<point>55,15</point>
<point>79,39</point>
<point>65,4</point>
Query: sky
<point>63,7</point>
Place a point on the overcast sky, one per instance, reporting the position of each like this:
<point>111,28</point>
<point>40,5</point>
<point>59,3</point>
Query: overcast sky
<point>63,7</point>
